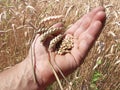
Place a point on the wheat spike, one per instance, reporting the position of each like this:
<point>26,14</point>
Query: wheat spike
<point>50,18</point>
<point>54,41</point>
<point>50,31</point>
<point>42,30</point>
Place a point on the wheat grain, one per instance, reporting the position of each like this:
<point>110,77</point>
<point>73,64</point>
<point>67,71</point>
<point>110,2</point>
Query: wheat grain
<point>65,46</point>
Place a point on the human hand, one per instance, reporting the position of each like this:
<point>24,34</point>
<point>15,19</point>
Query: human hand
<point>84,32</point>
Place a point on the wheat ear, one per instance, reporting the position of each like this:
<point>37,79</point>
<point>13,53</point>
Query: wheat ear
<point>54,41</point>
<point>41,30</point>
<point>50,18</point>
<point>51,31</point>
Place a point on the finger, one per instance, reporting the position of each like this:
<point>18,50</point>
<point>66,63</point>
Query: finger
<point>87,39</point>
<point>80,21</point>
<point>100,18</point>
<point>72,29</point>
<point>87,21</point>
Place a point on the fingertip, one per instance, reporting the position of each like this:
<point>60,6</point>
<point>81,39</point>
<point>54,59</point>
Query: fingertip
<point>99,8</point>
<point>100,16</point>
<point>102,8</point>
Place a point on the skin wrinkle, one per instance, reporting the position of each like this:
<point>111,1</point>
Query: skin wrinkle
<point>56,66</point>
<point>77,64</point>
<point>95,25</point>
<point>83,26</point>
<point>58,61</point>
<point>86,40</point>
<point>73,64</point>
<point>74,50</point>
<point>77,59</point>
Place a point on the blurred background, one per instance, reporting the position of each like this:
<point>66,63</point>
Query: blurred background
<point>101,68</point>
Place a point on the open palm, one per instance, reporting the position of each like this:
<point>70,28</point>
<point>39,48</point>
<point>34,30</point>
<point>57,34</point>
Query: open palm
<point>85,31</point>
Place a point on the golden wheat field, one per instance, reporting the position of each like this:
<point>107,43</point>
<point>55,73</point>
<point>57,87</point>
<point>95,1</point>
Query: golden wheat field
<point>101,68</point>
